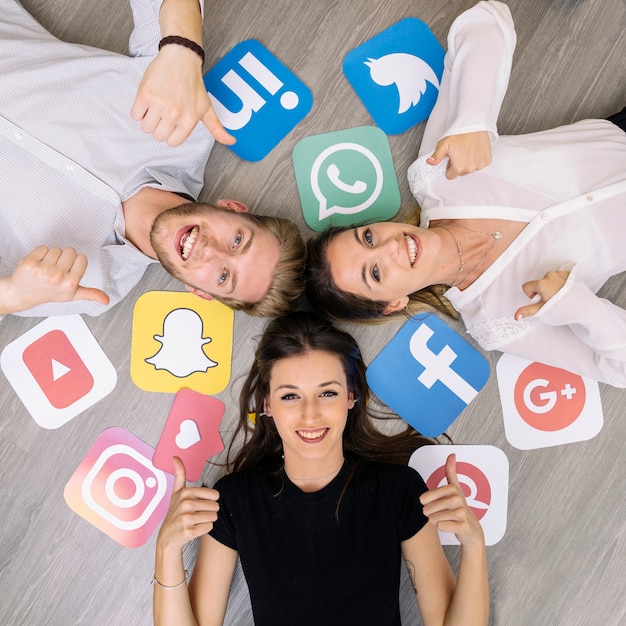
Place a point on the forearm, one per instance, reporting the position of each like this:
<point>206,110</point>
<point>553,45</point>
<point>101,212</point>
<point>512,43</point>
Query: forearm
<point>481,45</point>
<point>182,18</point>
<point>476,74</point>
<point>470,602</point>
<point>172,607</point>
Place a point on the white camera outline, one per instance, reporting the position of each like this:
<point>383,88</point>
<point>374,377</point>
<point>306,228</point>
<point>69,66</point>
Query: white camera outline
<point>158,474</point>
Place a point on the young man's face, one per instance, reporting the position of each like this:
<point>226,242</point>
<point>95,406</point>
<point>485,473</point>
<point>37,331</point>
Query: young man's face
<point>216,250</point>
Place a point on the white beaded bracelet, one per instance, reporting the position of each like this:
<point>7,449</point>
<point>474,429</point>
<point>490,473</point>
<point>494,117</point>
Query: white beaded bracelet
<point>156,582</point>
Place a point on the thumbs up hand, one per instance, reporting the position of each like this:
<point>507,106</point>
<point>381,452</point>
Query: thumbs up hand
<point>191,513</point>
<point>447,509</point>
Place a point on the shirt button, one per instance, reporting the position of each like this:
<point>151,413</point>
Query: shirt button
<point>589,198</point>
<point>69,167</point>
<point>18,136</point>
<point>544,216</point>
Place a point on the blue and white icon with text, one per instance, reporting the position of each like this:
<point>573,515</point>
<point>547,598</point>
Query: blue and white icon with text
<point>257,98</point>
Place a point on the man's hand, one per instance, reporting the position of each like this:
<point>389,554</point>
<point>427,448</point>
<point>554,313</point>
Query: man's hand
<point>542,289</point>
<point>47,275</point>
<point>466,153</point>
<point>172,99</point>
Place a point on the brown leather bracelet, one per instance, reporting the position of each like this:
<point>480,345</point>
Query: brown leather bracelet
<point>183,41</point>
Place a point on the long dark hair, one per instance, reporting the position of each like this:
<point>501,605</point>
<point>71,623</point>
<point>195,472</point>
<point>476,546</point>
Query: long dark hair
<point>295,334</point>
<point>328,300</point>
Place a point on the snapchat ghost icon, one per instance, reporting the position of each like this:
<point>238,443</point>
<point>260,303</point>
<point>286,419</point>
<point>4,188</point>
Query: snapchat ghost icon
<point>180,340</point>
<point>181,351</point>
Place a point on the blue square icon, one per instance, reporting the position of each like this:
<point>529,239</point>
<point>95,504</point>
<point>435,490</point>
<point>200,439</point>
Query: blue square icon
<point>397,74</point>
<point>428,374</point>
<point>257,98</point>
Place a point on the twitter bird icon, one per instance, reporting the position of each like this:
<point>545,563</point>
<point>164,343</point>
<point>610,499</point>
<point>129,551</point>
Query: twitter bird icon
<point>397,73</point>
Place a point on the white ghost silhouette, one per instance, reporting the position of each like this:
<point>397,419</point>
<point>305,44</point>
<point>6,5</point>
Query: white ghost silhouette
<point>181,351</point>
<point>407,72</point>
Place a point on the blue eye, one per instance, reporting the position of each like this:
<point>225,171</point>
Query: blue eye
<point>223,277</point>
<point>237,241</point>
<point>367,236</point>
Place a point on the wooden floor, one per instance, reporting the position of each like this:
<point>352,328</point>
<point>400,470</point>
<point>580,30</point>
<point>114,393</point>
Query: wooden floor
<point>562,559</point>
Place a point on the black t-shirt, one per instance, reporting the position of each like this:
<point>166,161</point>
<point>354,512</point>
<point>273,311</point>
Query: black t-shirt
<point>308,561</point>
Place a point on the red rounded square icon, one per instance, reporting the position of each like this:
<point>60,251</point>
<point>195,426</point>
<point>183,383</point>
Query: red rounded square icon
<point>58,369</point>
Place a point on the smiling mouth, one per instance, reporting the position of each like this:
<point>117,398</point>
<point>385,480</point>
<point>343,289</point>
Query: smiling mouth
<point>312,436</point>
<point>411,249</point>
<point>187,239</point>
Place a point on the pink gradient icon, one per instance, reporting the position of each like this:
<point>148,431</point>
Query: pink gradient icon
<point>190,433</point>
<point>118,489</point>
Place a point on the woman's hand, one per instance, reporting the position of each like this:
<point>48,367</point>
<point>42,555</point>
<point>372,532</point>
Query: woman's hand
<point>542,290</point>
<point>447,509</point>
<point>191,513</point>
<point>466,153</point>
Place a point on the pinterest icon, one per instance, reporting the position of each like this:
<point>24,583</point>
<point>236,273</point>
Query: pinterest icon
<point>545,406</point>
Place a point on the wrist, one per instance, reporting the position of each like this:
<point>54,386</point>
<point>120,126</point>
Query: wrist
<point>182,42</point>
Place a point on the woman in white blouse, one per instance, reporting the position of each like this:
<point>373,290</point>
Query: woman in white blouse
<point>523,244</point>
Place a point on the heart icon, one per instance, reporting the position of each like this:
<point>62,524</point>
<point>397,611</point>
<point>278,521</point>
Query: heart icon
<point>188,434</point>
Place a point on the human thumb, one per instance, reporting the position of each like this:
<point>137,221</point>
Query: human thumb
<point>180,475</point>
<point>438,155</point>
<point>451,476</point>
<point>216,129</point>
<point>91,294</point>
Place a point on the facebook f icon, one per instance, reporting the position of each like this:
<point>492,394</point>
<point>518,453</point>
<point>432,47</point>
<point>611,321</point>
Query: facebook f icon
<point>257,98</point>
<point>428,374</point>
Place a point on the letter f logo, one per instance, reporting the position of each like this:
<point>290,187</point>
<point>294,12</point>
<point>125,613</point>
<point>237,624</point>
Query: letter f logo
<point>437,366</point>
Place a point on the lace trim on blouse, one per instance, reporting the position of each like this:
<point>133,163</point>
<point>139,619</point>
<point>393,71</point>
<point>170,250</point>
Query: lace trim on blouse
<point>420,173</point>
<point>495,333</point>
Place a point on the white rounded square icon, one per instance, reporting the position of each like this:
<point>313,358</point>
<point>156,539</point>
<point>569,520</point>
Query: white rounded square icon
<point>483,473</point>
<point>58,370</point>
<point>545,406</point>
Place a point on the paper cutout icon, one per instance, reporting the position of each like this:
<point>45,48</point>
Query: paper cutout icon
<point>190,433</point>
<point>180,340</point>
<point>257,98</point>
<point>483,473</point>
<point>397,74</point>
<point>546,406</point>
<point>428,374</point>
<point>117,488</point>
<point>346,177</point>
<point>58,370</point>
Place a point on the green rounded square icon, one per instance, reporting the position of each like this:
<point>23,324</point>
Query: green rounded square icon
<point>346,177</point>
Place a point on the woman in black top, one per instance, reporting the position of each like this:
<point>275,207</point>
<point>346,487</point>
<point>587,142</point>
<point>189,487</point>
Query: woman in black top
<point>317,514</point>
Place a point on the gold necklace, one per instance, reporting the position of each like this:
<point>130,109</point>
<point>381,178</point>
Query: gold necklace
<point>292,479</point>
<point>495,235</point>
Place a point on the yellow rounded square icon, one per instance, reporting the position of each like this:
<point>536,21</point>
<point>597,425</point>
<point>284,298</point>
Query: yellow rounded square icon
<point>180,340</point>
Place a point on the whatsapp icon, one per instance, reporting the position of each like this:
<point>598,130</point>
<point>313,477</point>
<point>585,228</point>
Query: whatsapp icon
<point>346,177</point>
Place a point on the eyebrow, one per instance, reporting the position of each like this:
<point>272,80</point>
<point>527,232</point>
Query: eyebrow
<point>363,269</point>
<point>326,384</point>
<point>235,278</point>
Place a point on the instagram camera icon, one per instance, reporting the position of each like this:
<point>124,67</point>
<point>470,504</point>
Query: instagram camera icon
<point>118,489</point>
